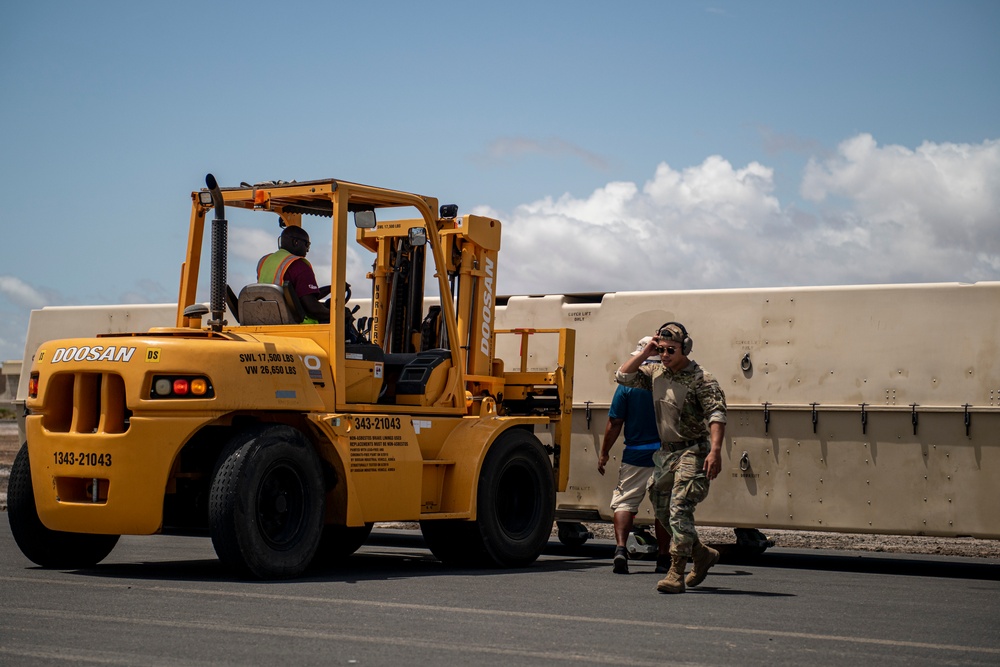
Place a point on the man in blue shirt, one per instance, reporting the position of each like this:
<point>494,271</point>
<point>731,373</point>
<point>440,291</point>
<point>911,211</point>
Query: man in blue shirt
<point>632,408</point>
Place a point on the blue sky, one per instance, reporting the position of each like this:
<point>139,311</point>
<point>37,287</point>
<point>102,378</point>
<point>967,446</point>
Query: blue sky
<point>628,145</point>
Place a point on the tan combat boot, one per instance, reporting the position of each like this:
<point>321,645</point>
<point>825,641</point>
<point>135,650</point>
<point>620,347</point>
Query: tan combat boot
<point>674,581</point>
<point>702,558</point>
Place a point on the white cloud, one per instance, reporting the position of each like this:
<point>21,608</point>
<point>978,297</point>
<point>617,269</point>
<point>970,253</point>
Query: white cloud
<point>251,244</point>
<point>937,204</point>
<point>893,183</point>
<point>734,198</point>
<point>889,215</point>
<point>22,294</point>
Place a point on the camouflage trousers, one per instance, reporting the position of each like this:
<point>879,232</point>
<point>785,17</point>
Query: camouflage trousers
<point>677,485</point>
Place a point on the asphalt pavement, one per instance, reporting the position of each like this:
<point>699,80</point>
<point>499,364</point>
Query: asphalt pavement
<point>162,600</point>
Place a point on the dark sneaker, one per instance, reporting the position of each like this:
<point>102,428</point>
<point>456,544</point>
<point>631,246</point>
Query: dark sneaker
<point>621,561</point>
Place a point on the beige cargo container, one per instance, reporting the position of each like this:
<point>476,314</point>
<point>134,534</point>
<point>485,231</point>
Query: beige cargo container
<point>869,409</point>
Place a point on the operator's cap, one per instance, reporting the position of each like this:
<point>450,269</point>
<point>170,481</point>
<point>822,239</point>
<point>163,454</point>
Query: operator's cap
<point>642,344</point>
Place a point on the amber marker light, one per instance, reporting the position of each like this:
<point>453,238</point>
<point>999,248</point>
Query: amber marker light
<point>199,387</point>
<point>33,386</point>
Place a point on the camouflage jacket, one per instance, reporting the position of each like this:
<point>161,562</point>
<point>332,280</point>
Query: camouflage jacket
<point>686,401</point>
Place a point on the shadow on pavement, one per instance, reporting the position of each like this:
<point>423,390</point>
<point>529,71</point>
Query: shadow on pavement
<point>388,554</point>
<point>402,554</point>
<point>875,563</point>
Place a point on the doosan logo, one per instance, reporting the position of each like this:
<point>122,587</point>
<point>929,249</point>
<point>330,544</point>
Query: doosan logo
<point>487,330</point>
<point>95,353</point>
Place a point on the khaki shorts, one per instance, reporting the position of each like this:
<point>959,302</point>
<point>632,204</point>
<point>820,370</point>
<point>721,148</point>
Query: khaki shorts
<point>631,489</point>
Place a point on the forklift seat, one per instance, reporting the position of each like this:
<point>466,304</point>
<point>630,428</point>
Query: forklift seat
<point>265,303</point>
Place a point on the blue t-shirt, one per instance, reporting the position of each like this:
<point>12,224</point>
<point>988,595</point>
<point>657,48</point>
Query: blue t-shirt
<point>635,407</point>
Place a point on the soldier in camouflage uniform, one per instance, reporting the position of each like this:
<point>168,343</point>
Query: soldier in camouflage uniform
<point>691,419</point>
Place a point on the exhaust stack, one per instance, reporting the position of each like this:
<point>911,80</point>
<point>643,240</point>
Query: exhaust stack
<point>220,239</point>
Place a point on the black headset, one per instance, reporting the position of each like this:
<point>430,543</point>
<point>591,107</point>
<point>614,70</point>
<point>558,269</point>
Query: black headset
<point>686,344</point>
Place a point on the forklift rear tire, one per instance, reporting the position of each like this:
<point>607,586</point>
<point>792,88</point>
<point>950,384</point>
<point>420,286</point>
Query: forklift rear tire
<point>516,500</point>
<point>49,548</point>
<point>267,503</point>
<point>516,503</point>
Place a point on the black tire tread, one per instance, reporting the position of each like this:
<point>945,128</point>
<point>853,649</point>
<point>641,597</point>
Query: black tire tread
<point>485,542</point>
<point>521,448</point>
<point>235,532</point>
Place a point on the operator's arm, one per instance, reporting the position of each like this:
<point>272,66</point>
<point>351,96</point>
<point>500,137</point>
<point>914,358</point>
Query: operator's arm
<point>611,433</point>
<point>303,280</point>
<point>315,308</point>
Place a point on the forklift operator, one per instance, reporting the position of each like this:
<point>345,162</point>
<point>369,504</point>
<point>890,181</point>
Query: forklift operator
<point>289,263</point>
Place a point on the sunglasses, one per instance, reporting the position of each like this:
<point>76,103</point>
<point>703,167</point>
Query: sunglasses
<point>670,349</point>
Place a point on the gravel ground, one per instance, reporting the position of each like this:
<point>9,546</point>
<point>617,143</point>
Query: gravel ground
<point>797,539</point>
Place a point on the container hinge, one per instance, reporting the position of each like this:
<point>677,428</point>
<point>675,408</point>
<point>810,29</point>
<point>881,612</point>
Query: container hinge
<point>913,417</point>
<point>968,419</point>
<point>767,416</point>
<point>864,418</point>
<point>815,416</point>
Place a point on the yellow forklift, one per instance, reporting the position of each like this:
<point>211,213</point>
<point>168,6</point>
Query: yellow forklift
<point>285,440</point>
